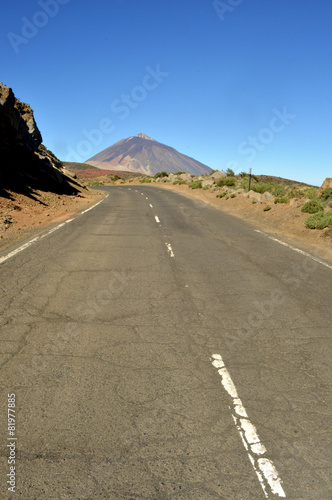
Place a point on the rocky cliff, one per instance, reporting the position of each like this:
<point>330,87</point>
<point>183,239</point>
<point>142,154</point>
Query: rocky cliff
<point>326,184</point>
<point>25,164</point>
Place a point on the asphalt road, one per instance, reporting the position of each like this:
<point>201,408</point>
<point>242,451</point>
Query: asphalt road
<point>158,348</point>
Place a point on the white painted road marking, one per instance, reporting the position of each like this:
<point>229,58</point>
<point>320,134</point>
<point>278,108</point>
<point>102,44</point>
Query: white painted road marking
<point>37,238</point>
<point>94,206</point>
<point>295,249</point>
<point>169,249</point>
<point>264,467</point>
<point>151,205</point>
<point>146,198</point>
<point>157,219</point>
<point>30,242</point>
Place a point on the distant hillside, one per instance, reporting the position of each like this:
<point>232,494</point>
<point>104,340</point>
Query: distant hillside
<point>86,171</point>
<point>280,180</point>
<point>78,166</point>
<point>146,156</point>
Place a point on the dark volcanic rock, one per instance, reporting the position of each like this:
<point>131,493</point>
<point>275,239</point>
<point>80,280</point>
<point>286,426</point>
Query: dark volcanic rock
<point>17,124</point>
<point>25,164</point>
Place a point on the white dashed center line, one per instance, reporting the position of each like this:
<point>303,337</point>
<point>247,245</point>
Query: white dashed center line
<point>151,205</point>
<point>157,219</point>
<point>169,249</point>
<point>266,472</point>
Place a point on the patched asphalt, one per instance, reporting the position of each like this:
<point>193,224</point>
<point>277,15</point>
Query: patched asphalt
<point>107,339</point>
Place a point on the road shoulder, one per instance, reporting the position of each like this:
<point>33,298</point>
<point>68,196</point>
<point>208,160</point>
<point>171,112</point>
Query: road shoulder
<point>282,221</point>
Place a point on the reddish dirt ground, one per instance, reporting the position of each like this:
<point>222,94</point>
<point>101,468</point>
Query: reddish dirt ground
<point>22,216</point>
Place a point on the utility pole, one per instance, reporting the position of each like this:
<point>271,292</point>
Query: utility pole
<point>249,178</point>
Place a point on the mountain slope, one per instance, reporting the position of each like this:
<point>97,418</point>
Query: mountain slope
<point>147,156</point>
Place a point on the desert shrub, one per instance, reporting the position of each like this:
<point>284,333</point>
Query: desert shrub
<point>195,184</point>
<point>178,181</point>
<point>310,192</point>
<point>146,181</point>
<point>294,193</point>
<point>242,174</point>
<point>221,195</point>
<point>179,172</point>
<point>312,207</point>
<point>326,194</point>
<point>160,174</point>
<point>262,187</point>
<point>319,220</point>
<point>281,199</point>
<point>229,172</point>
<point>279,190</point>
<point>267,208</point>
<point>226,181</point>
<point>233,195</point>
<point>243,183</point>
<point>254,202</point>
<point>207,187</point>
<point>95,183</point>
<point>229,181</point>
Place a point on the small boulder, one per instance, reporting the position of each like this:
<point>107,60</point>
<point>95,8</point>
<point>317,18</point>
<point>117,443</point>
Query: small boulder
<point>252,194</point>
<point>267,197</point>
<point>217,175</point>
<point>185,177</point>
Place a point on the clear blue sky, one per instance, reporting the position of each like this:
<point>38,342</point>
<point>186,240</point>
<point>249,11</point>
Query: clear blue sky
<point>246,85</point>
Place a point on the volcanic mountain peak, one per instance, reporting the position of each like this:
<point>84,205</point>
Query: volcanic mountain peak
<point>144,136</point>
<point>147,156</point>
